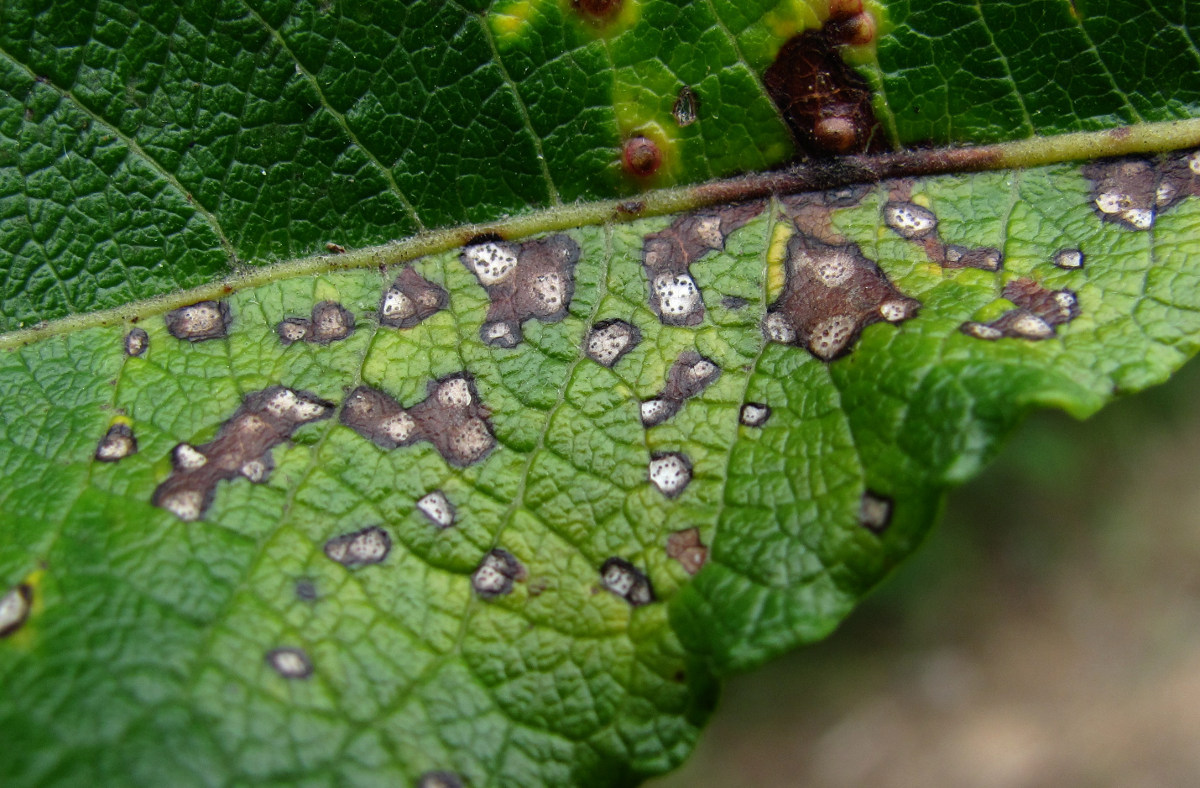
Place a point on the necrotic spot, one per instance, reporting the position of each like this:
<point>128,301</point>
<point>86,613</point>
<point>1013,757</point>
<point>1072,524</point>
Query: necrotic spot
<point>437,509</point>
<point>754,414</point>
<point>626,581</point>
<point>117,444</point>
<point>1068,258</point>
<point>496,574</point>
<point>290,662</point>
<point>370,545</point>
<point>199,322</point>
<point>910,220</point>
<point>306,590</point>
<point>670,472</point>
<point>14,609</point>
<point>136,342</point>
<point>610,340</point>
<point>875,512</point>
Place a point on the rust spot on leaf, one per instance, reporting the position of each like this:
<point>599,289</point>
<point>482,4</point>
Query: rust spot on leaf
<point>410,299</point>
<point>641,157</point>
<point>691,374</point>
<point>330,322</point>
<point>1039,311</point>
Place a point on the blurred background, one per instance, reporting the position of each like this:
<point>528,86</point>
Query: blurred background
<point>1047,634</point>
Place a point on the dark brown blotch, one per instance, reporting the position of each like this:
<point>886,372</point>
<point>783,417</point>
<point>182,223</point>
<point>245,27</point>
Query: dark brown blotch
<point>1038,313</point>
<point>691,374</point>
<point>1132,192</point>
<point>451,417</point>
<point>597,12</point>
<point>242,448</point>
<point>826,103</point>
<point>832,292</point>
<point>200,321</point>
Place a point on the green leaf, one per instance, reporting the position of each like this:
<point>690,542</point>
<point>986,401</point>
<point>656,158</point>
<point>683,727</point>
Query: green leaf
<point>511,510</point>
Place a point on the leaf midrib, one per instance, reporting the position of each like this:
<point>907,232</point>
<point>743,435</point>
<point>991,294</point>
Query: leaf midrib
<point>810,175</point>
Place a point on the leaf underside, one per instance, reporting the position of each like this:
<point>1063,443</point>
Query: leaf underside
<point>507,514</point>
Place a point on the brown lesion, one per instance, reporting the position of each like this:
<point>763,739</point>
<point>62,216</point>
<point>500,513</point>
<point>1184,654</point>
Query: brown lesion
<point>825,102</point>
<point>1038,313</point>
<point>918,224</point>
<point>534,280</point>
<point>691,374</point>
<point>451,417</point>
<point>242,447</point>
<point>200,322</point>
<point>667,256</point>
<point>832,292</point>
<point>329,322</point>
<point>1133,192</point>
<point>686,548</point>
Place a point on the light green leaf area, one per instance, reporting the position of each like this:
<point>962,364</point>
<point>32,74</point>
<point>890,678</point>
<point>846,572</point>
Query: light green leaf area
<point>149,654</point>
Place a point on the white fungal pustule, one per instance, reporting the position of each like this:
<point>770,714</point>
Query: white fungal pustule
<point>981,331</point>
<point>399,428</point>
<point>548,293</point>
<point>292,330</point>
<point>626,581</point>
<point>777,328</point>
<point>609,340</point>
<point>496,574</point>
<point>290,662</point>
<point>117,444</point>
<point>670,473</point>
<point>492,262</point>
<point>676,297</point>
<point>256,470</point>
<point>454,393</point>
<point>396,305</point>
<point>370,545</point>
<point>14,609</point>
<point>754,414</point>
<point>187,505</point>
<point>1068,259</point>
<point>1139,218</point>
<point>875,512</point>
<point>1030,326</point>
<point>437,508</point>
<point>897,310</point>
<point>833,270</point>
<point>187,457</point>
<point>830,336</point>
<point>910,220</point>
<point>503,334</point>
<point>136,342</point>
<point>656,411</point>
<point>331,322</point>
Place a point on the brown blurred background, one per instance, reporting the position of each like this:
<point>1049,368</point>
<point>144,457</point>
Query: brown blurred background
<point>1047,634</point>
